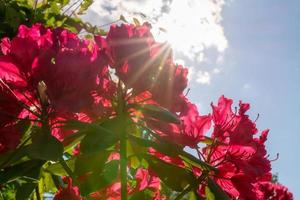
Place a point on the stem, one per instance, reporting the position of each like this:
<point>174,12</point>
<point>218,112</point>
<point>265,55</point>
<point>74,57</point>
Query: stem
<point>200,155</point>
<point>67,9</point>
<point>188,188</point>
<point>123,166</point>
<point>37,192</point>
<point>123,138</point>
<point>109,23</point>
<point>184,192</point>
<point>68,170</point>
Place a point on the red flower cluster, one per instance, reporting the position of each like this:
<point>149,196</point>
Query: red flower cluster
<point>50,71</point>
<point>273,191</point>
<point>241,158</point>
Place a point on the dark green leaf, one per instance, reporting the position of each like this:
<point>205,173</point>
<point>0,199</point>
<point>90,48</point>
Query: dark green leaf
<point>196,162</point>
<point>215,192</point>
<point>97,181</point>
<point>12,157</point>
<point>97,141</point>
<point>175,177</point>
<point>58,170</point>
<point>168,149</point>
<point>72,140</point>
<point>30,169</point>
<point>156,112</point>
<point>25,190</point>
<point>171,149</point>
<point>45,147</point>
<point>76,125</point>
<point>24,127</point>
<point>144,194</point>
<point>97,137</point>
<point>90,163</point>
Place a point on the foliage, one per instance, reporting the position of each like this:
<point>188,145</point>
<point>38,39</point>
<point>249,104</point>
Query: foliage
<point>13,13</point>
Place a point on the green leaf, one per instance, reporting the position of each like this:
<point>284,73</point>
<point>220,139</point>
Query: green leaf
<point>48,182</point>
<point>122,18</point>
<point>58,170</point>
<point>144,194</point>
<point>97,137</point>
<point>45,147</point>
<point>97,181</point>
<point>30,169</point>
<point>54,8</point>
<point>172,150</point>
<point>175,177</point>
<point>90,163</point>
<point>156,112</point>
<point>193,195</point>
<point>97,141</point>
<point>24,126</point>
<point>168,149</point>
<point>207,140</point>
<point>84,6</point>
<point>13,17</point>
<point>72,140</point>
<point>208,194</point>
<point>76,125</point>
<point>136,22</point>
<point>64,2</point>
<point>12,157</point>
<point>214,191</point>
<point>25,190</point>
<point>196,162</point>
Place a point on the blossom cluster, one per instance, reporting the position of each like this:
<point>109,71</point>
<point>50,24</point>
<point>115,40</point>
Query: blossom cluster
<point>49,76</point>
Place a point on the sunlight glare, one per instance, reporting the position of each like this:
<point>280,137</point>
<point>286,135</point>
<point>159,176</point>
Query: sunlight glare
<point>191,26</point>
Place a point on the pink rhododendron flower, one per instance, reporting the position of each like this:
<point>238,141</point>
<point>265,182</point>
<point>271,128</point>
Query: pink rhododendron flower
<point>70,192</point>
<point>273,191</point>
<point>240,158</point>
<point>146,179</point>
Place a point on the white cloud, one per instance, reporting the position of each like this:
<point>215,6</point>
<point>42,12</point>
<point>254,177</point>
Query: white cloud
<point>203,77</point>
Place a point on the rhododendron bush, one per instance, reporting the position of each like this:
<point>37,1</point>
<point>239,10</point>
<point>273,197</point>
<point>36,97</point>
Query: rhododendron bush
<point>108,118</point>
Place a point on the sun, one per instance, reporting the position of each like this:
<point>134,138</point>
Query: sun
<point>191,26</point>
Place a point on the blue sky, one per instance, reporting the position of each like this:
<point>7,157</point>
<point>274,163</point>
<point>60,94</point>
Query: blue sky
<point>262,66</point>
<point>247,50</point>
